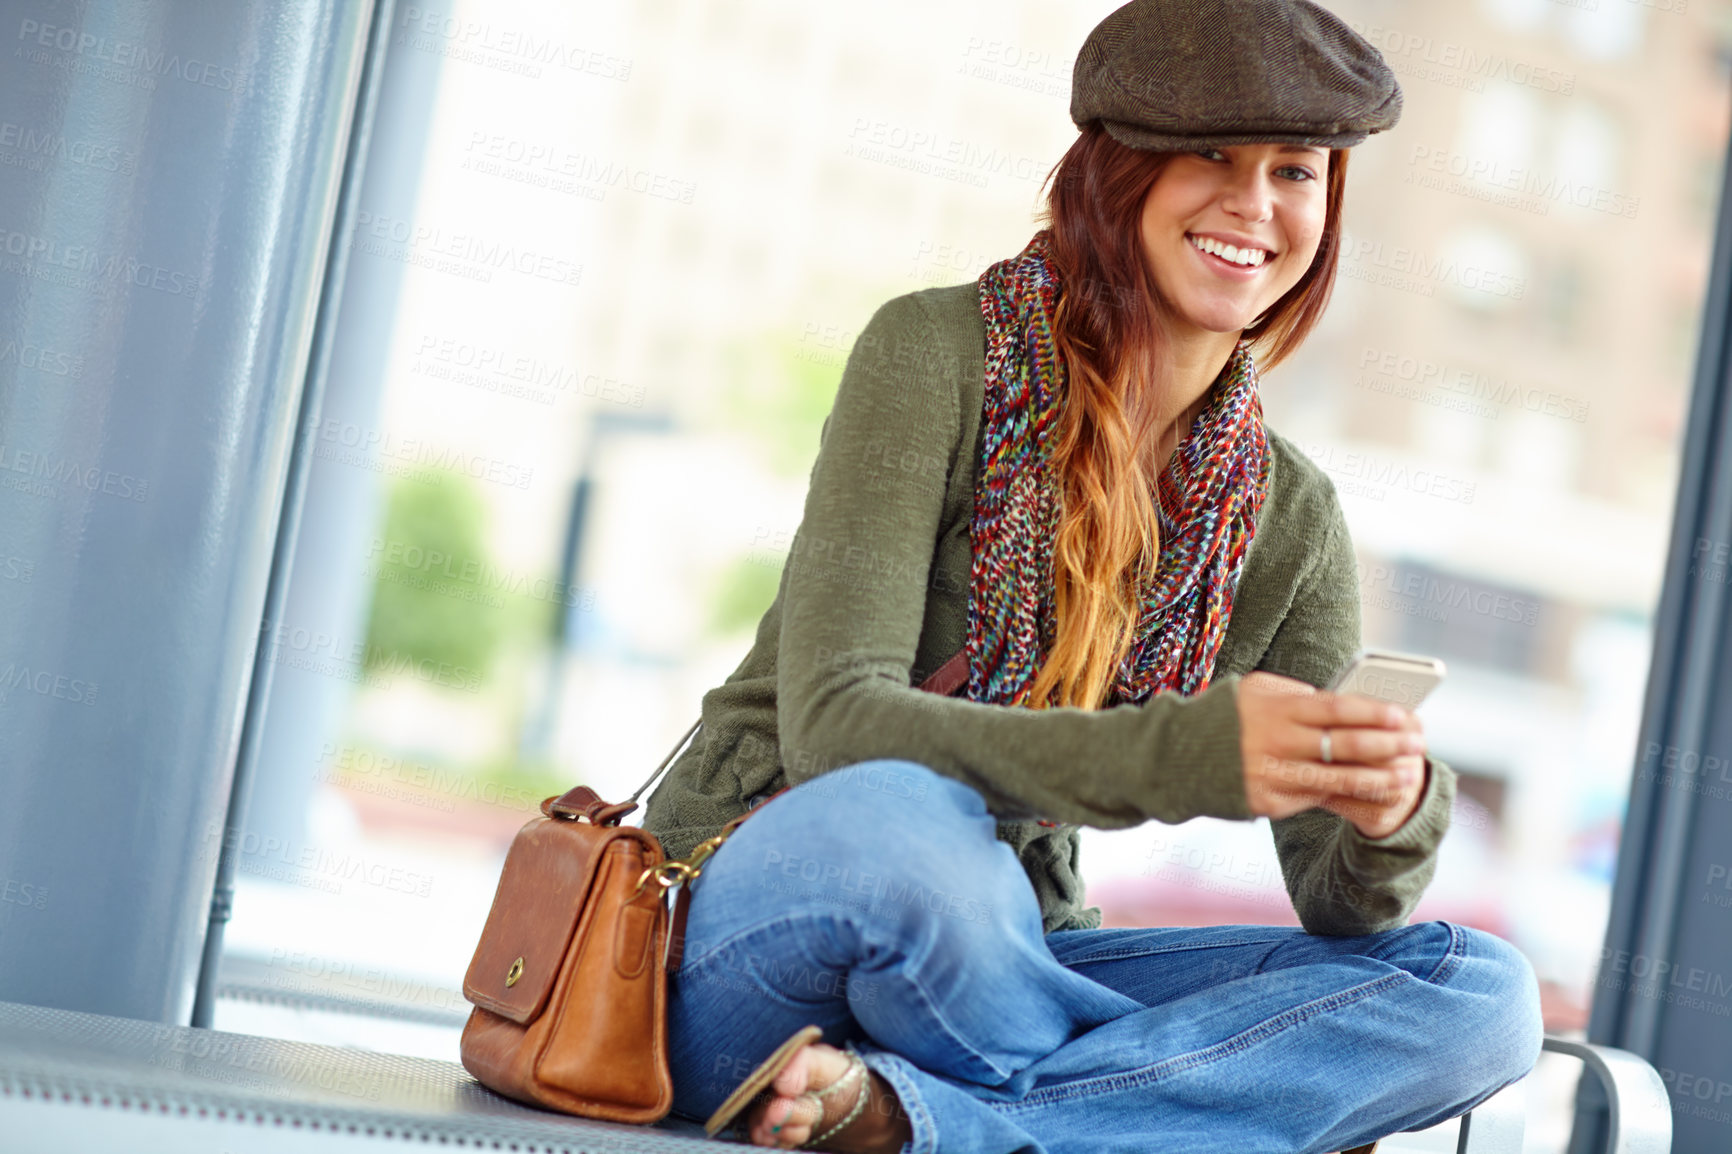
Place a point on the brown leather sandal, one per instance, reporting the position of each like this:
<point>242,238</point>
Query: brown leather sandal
<point>856,1072</point>
<point>758,1080</point>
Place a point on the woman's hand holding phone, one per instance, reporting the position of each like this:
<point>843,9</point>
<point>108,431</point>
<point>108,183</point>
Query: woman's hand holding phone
<point>1376,771</point>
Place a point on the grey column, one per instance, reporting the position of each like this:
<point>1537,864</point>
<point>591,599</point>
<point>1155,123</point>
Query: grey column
<point>168,175</point>
<point>327,592</point>
<point>1664,986</point>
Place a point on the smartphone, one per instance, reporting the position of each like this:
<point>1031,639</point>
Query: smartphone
<point>1399,678</point>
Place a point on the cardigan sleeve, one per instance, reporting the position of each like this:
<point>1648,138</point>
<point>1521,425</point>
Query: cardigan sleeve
<point>1342,882</point>
<point>853,604</point>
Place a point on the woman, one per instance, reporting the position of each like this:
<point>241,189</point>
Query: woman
<point>1062,473</point>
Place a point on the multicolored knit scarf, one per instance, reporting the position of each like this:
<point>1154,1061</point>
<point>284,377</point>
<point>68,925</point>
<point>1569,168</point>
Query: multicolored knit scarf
<point>1209,498</point>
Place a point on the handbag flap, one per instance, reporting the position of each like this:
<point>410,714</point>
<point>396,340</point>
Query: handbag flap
<point>547,876</point>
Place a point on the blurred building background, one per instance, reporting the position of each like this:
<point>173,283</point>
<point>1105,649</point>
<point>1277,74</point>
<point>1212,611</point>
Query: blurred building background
<point>644,238</point>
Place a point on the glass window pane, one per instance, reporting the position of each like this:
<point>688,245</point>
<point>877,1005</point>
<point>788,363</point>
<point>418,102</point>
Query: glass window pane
<point>647,237</point>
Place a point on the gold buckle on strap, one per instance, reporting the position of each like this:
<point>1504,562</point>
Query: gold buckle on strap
<point>669,874</point>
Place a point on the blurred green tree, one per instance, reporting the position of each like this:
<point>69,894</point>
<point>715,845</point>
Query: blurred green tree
<point>776,391</point>
<point>430,597</point>
<point>744,590</point>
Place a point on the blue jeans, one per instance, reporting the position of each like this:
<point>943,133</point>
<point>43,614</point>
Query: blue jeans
<point>876,902</point>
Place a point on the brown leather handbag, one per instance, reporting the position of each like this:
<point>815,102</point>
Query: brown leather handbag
<point>569,981</point>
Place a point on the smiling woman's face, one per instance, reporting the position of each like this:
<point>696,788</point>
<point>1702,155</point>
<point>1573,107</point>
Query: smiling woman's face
<point>1267,201</point>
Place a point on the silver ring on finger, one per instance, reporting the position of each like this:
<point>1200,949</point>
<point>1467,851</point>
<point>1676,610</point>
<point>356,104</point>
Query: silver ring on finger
<point>1326,758</point>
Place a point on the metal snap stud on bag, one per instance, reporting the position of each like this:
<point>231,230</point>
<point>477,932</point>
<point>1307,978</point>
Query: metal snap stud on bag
<point>514,973</point>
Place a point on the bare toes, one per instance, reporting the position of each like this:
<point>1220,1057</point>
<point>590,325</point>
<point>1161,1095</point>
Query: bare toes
<point>785,1122</point>
<point>790,1116</point>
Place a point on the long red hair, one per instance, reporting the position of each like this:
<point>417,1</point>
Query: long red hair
<point>1109,326</point>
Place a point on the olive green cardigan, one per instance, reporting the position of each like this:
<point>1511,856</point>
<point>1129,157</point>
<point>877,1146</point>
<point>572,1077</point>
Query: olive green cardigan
<point>874,596</point>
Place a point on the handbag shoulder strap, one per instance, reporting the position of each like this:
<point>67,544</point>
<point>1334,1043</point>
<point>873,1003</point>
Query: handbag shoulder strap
<point>944,681</point>
<point>666,761</point>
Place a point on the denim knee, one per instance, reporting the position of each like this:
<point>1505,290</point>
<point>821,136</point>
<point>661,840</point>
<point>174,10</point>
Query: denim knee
<point>886,805</point>
<point>1513,1027</point>
<point>1492,1019</point>
<point>890,832</point>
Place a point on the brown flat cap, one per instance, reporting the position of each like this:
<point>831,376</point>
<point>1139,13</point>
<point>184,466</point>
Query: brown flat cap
<point>1181,74</point>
